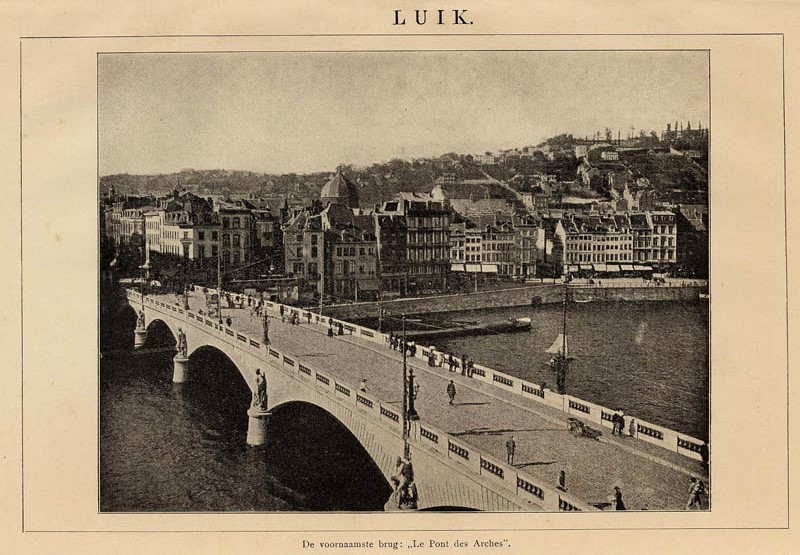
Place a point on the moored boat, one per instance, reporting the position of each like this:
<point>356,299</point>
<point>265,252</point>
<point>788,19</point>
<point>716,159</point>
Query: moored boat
<point>513,324</point>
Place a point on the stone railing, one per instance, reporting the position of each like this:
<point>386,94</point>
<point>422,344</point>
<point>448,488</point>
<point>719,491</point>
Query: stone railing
<point>646,431</point>
<point>498,475</point>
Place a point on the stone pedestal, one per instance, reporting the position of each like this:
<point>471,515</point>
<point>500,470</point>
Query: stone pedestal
<point>139,337</point>
<point>180,372</point>
<point>258,419</point>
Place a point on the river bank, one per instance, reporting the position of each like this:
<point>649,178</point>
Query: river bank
<point>527,295</point>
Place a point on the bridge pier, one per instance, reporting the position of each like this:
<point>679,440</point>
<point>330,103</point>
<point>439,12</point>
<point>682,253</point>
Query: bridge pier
<point>139,337</point>
<point>180,371</point>
<point>257,426</point>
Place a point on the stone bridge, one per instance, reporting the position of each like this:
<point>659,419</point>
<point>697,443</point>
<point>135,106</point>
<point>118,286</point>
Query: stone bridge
<point>458,451</point>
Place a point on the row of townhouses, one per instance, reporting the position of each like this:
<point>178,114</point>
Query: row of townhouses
<point>415,243</point>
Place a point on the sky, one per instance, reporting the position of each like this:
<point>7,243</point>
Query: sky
<point>302,112</point>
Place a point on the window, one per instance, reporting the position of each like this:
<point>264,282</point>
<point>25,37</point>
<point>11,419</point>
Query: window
<point>226,240</point>
<point>362,251</point>
<point>201,252</point>
<point>299,238</point>
<point>201,236</point>
<point>314,252</point>
<point>236,257</point>
<point>299,252</point>
<point>338,251</point>
<point>236,240</point>
<point>298,268</point>
<point>236,223</point>
<point>314,239</point>
<point>214,236</point>
<point>225,223</point>
<point>312,268</point>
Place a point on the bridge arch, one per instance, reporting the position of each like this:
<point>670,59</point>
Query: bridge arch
<point>159,334</point>
<point>217,388</point>
<point>321,455</point>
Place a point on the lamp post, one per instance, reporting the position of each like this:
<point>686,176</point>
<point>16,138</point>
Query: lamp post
<point>406,448</point>
<point>145,267</point>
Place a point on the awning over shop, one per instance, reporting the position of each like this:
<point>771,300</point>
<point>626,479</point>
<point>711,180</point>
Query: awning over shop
<point>599,267</point>
<point>454,267</point>
<point>639,268</point>
<point>572,268</point>
<point>626,267</point>
<point>473,267</point>
<point>489,268</point>
<point>612,267</point>
<point>586,266</point>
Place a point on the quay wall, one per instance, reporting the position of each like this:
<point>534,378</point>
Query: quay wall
<point>518,296</point>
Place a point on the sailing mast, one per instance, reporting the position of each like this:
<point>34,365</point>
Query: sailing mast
<point>560,360</point>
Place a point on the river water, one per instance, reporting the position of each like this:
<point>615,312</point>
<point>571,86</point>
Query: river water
<point>167,447</point>
<point>648,358</point>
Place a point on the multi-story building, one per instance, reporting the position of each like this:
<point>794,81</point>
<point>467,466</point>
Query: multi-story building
<point>236,231</point>
<point>427,224</point>
<point>597,243</point>
<point>306,257</point>
<point>526,232</point>
<point>183,226</point>
<point>355,260</point>
<point>654,238</point>
<point>691,221</point>
<point>391,235</point>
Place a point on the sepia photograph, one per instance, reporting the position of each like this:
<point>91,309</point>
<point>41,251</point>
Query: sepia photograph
<point>431,280</point>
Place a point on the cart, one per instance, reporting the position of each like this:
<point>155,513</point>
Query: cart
<point>578,429</point>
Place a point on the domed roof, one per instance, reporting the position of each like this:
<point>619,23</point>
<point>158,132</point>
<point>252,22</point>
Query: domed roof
<point>340,190</point>
<point>438,192</point>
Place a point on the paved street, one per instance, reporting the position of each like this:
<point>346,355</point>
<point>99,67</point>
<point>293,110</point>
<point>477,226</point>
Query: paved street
<point>484,416</point>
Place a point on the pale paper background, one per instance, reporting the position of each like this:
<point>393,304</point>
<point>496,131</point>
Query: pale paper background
<point>749,334</point>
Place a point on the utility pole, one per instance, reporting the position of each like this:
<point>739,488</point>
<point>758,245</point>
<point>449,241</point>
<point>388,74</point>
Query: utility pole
<point>219,284</point>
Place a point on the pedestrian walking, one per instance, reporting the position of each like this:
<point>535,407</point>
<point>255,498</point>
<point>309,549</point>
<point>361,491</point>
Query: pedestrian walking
<point>451,361</point>
<point>451,391</point>
<point>470,368</point>
<point>696,489</point>
<point>362,386</point>
<point>282,313</point>
<point>619,505</point>
<point>511,447</point>
<point>464,364</point>
<point>632,428</point>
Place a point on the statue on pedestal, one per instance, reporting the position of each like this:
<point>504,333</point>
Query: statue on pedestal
<point>260,394</point>
<point>181,345</point>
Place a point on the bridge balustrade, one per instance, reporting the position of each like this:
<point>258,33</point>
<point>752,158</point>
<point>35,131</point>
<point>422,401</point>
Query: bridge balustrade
<point>650,432</point>
<point>514,481</point>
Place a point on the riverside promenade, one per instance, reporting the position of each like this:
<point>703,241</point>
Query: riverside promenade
<point>484,417</point>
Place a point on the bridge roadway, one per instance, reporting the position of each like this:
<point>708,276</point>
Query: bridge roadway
<point>651,478</point>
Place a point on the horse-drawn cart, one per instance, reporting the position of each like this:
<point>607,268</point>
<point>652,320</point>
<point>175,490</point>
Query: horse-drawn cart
<point>579,429</point>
